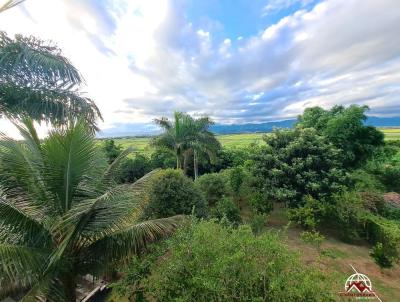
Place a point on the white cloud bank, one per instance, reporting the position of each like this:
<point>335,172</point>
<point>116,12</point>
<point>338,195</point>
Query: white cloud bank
<point>143,59</point>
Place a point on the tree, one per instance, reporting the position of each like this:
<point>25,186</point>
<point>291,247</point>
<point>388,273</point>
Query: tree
<point>187,136</point>
<point>202,142</point>
<point>345,128</point>
<point>176,135</point>
<point>172,193</point>
<point>61,215</point>
<point>299,162</point>
<point>37,81</point>
<point>111,150</point>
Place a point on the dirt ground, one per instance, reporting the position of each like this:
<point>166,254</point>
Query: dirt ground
<point>336,258</point>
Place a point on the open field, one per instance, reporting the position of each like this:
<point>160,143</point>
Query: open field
<point>141,144</point>
<point>391,133</point>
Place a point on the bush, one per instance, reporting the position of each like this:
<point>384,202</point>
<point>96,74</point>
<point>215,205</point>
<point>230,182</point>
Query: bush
<point>380,257</point>
<point>208,262</point>
<point>111,150</point>
<point>373,202</point>
<point>314,238</point>
<point>213,187</point>
<point>131,169</point>
<point>257,222</point>
<point>260,204</point>
<point>172,193</point>
<point>227,208</point>
<point>386,232</point>
<point>163,159</point>
<point>308,215</point>
<point>348,215</point>
<point>236,176</point>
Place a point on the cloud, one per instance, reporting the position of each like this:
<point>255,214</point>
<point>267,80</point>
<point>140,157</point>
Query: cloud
<point>144,59</point>
<point>274,6</point>
<point>332,54</point>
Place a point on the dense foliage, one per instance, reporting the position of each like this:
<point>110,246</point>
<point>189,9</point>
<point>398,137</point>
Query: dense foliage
<point>213,187</point>
<point>208,262</point>
<point>173,193</point>
<point>37,81</point>
<point>299,162</point>
<point>344,128</point>
<point>62,215</point>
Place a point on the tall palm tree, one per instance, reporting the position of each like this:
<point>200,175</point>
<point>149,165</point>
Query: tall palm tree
<point>62,216</point>
<point>176,136</point>
<point>203,141</point>
<point>37,81</point>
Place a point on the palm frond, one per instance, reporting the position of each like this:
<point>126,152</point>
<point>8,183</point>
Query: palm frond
<point>69,155</point>
<point>10,4</point>
<point>135,237</point>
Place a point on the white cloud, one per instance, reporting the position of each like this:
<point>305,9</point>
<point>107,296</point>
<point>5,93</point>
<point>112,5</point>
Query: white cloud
<point>143,59</point>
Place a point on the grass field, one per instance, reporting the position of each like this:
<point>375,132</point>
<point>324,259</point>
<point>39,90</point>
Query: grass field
<point>141,144</point>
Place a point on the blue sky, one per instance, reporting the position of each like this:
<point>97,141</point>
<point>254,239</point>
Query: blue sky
<point>238,61</point>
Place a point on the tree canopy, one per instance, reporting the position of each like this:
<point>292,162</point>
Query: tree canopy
<point>61,214</point>
<point>37,81</point>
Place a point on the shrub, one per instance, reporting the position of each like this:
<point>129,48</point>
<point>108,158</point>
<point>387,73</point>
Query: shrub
<point>132,169</point>
<point>111,150</point>
<point>314,238</point>
<point>236,176</point>
<point>227,208</point>
<point>373,202</point>
<point>380,257</point>
<point>172,193</point>
<point>163,159</point>
<point>213,187</point>
<point>386,232</point>
<point>260,204</point>
<point>348,215</point>
<point>257,222</point>
<point>308,215</point>
<point>364,181</point>
<point>208,262</point>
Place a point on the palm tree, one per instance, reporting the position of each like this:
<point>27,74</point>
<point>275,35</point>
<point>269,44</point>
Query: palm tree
<point>186,136</point>
<point>37,81</point>
<point>62,216</point>
<point>203,141</point>
<point>176,136</point>
<point>9,4</point>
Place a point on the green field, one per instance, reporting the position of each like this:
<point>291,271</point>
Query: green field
<point>141,144</point>
<point>391,133</point>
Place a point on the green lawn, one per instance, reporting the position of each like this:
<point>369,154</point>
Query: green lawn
<point>141,144</point>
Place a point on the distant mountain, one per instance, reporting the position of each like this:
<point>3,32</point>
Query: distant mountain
<point>245,128</point>
<point>150,129</point>
<point>269,126</point>
<point>383,121</point>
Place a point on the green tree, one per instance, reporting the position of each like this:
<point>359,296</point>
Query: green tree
<point>111,150</point>
<point>61,214</point>
<point>209,262</point>
<point>213,187</point>
<point>176,135</point>
<point>202,141</point>
<point>345,128</point>
<point>299,162</point>
<point>186,137</point>
<point>37,81</point>
<point>172,193</point>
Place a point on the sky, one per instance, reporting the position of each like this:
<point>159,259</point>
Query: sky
<point>238,61</point>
